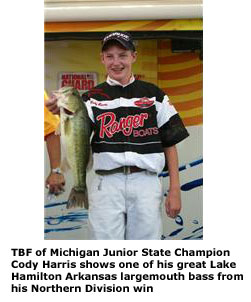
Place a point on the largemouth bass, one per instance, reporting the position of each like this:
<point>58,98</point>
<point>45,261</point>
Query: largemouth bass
<point>75,131</point>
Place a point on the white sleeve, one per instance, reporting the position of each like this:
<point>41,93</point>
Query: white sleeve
<point>164,111</point>
<point>89,109</point>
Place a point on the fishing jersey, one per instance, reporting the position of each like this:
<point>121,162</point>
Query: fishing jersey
<point>132,124</point>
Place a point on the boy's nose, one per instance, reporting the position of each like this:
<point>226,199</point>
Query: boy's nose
<point>116,60</point>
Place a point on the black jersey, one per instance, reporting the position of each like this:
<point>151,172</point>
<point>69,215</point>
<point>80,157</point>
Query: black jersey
<point>132,124</point>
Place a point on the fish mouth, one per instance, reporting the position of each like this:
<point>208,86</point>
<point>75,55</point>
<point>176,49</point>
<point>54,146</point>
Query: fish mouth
<point>68,112</point>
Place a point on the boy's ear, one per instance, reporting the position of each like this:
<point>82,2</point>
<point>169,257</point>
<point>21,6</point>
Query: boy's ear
<point>102,57</point>
<point>134,54</point>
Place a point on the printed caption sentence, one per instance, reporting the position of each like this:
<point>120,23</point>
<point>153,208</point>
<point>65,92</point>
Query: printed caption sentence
<point>121,270</point>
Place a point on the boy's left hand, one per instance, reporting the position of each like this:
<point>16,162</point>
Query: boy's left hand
<point>173,203</point>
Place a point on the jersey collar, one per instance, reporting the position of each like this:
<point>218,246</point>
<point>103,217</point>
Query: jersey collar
<point>112,82</point>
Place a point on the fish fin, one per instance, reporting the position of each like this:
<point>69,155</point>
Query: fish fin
<point>78,199</point>
<point>65,166</point>
<point>58,130</point>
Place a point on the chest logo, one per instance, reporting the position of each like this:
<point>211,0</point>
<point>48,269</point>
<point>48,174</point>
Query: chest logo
<point>109,125</point>
<point>144,102</point>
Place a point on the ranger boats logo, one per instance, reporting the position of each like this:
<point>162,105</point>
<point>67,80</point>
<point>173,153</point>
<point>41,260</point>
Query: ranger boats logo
<point>131,124</point>
<point>144,102</point>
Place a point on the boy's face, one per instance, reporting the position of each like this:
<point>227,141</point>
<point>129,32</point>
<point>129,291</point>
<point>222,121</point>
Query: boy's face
<point>118,63</point>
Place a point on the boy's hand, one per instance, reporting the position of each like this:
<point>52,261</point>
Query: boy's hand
<point>173,203</point>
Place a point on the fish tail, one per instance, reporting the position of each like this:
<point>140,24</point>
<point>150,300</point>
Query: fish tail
<point>78,198</point>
